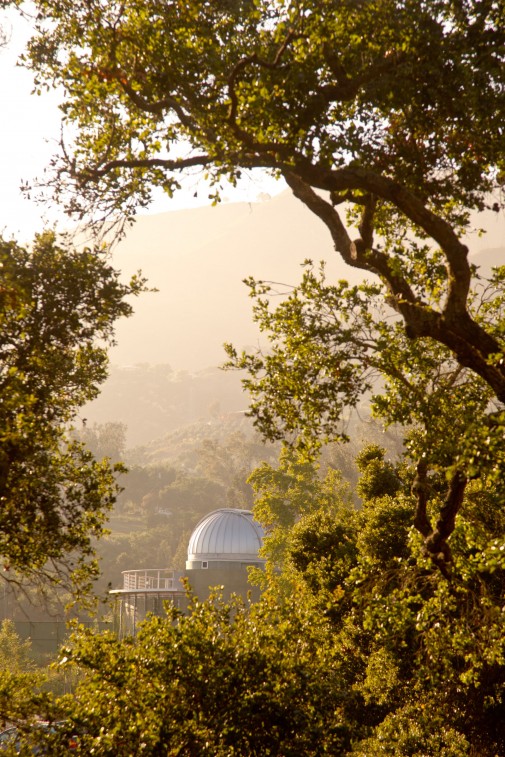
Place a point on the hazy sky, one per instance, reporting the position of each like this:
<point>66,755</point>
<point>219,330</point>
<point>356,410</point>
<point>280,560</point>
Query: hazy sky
<point>28,126</point>
<point>29,132</point>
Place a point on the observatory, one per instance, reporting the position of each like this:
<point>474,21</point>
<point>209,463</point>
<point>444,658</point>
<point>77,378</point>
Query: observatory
<point>223,545</point>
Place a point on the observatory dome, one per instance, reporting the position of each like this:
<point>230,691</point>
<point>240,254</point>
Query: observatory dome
<point>226,534</point>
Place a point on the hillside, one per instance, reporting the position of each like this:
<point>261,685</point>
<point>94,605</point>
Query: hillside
<point>165,363</point>
<point>153,400</point>
<point>198,259</point>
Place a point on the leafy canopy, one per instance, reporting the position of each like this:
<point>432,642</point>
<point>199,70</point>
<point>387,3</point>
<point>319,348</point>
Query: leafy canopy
<point>396,108</point>
<point>362,648</point>
<point>221,681</point>
<point>410,91</point>
<point>419,653</point>
<point>58,307</point>
<point>331,343</point>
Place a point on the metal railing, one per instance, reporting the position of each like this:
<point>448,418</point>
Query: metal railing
<point>155,579</point>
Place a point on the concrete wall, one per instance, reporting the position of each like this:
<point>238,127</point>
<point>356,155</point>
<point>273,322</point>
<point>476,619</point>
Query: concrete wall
<point>232,576</point>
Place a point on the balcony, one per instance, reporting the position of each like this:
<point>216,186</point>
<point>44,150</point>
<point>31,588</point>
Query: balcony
<point>146,591</point>
<point>151,579</point>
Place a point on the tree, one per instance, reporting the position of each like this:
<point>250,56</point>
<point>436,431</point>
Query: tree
<point>285,495</point>
<point>15,654</point>
<point>229,463</point>
<point>378,477</point>
<point>421,653</point>
<point>392,111</point>
<point>396,108</point>
<point>228,679</point>
<point>20,679</point>
<point>58,307</point>
<point>103,439</point>
<point>371,652</point>
<point>453,668</point>
<point>330,343</point>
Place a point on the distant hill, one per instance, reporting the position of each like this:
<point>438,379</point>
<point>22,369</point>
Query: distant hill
<point>154,400</point>
<point>180,447</point>
<point>167,354</point>
<point>198,259</point>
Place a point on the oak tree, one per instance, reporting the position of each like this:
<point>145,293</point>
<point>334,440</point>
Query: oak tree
<point>395,108</point>
<point>329,343</point>
<point>225,680</point>
<point>58,307</point>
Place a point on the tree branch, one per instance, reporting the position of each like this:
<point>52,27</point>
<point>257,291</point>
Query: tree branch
<point>355,253</point>
<point>437,228</point>
<point>93,174</point>
<point>420,490</point>
<point>366,227</point>
<point>437,543</point>
<point>158,107</point>
<point>453,326</point>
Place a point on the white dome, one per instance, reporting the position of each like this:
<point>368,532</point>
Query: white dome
<point>226,534</point>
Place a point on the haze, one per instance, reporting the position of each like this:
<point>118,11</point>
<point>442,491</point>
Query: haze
<point>198,258</point>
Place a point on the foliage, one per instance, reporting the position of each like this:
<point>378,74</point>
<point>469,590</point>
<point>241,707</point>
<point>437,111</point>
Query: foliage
<point>222,681</point>
<point>406,733</point>
<point>372,651</point>
<point>395,111</point>
<point>192,495</point>
<point>322,549</point>
<point>329,344</point>
<point>57,306</point>
<point>24,684</point>
<point>15,654</point>
<point>378,478</point>
<point>287,495</point>
<point>423,654</point>
<point>230,461</point>
<point>20,680</point>
<point>272,82</point>
<point>396,108</point>
<point>103,439</point>
<point>144,481</point>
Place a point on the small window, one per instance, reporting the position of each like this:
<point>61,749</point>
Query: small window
<point>205,564</point>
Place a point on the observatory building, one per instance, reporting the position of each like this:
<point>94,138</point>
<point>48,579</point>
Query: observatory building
<point>224,544</point>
